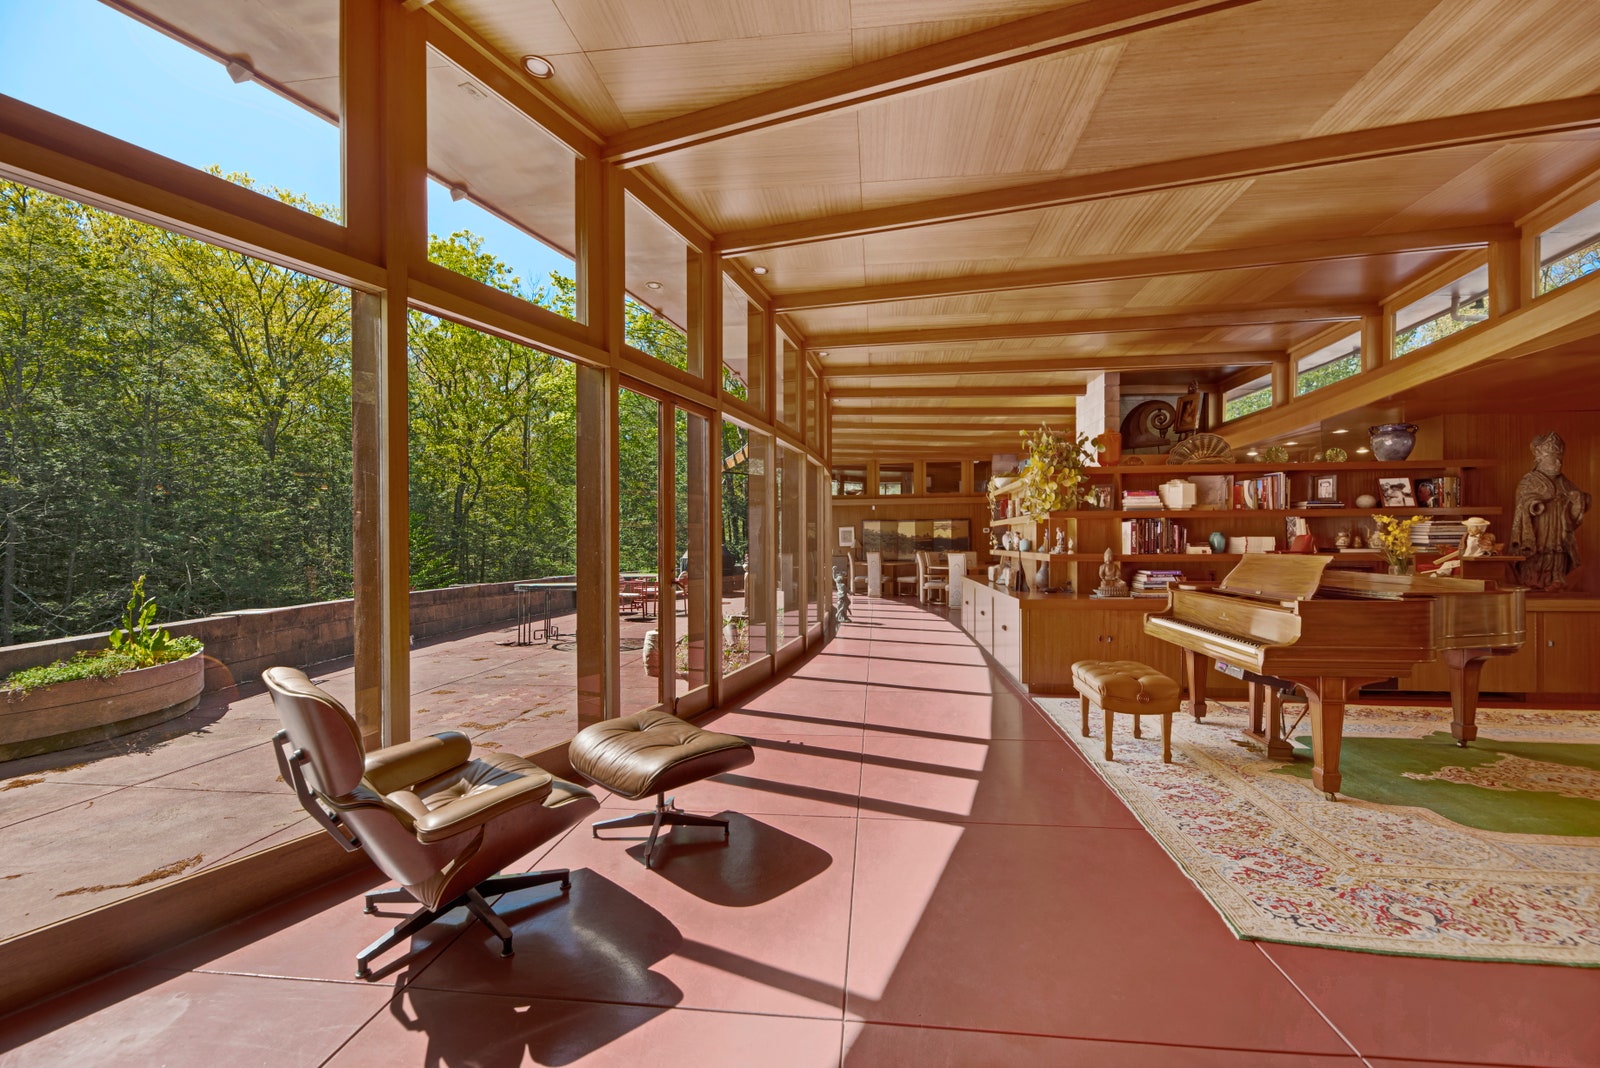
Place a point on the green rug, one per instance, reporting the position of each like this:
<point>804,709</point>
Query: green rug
<point>1550,788</point>
<point>1490,852</point>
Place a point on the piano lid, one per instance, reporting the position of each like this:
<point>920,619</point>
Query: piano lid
<point>1276,576</point>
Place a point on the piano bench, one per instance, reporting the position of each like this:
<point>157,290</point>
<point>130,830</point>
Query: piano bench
<point>1131,688</point>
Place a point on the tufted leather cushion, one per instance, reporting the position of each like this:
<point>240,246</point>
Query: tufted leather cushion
<point>472,794</point>
<point>1125,686</point>
<point>653,751</point>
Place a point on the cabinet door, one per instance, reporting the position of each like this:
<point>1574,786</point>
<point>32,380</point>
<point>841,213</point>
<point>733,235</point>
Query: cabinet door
<point>1567,646</point>
<point>977,614</point>
<point>1007,635</point>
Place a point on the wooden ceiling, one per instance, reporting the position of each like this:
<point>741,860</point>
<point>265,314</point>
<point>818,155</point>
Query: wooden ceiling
<point>966,208</point>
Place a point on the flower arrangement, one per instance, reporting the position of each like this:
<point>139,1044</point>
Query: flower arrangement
<point>1393,536</point>
<point>1052,476</point>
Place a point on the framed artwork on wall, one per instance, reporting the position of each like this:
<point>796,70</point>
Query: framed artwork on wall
<point>847,537</point>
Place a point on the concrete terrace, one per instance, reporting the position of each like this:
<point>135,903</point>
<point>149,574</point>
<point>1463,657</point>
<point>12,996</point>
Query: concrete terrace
<point>98,823</point>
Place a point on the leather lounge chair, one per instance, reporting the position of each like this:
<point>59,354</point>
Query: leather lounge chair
<point>431,816</point>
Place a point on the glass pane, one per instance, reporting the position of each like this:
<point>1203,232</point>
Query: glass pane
<point>759,601</point>
<point>1570,250</point>
<point>136,447</point>
<point>642,597</point>
<point>735,621</point>
<point>662,270</point>
<point>1447,310</point>
<point>694,534</point>
<point>742,349</point>
<point>788,386</point>
<point>1329,364</point>
<point>815,477</point>
<point>813,392</point>
<point>502,203</point>
<point>271,123</point>
<point>982,471</point>
<point>850,481</point>
<point>493,513</point>
<point>791,477</point>
<point>894,480</point>
<point>943,476</point>
<point>1253,397</point>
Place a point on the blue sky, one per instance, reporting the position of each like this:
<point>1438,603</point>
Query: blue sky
<point>133,83</point>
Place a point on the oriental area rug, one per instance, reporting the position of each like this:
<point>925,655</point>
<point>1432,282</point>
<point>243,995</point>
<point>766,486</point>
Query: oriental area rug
<point>1490,852</point>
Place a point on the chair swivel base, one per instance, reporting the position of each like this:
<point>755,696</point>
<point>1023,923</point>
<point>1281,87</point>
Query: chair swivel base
<point>473,899</point>
<point>665,814</point>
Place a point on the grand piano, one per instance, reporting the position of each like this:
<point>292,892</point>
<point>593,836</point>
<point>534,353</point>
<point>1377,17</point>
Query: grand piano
<point>1284,621</point>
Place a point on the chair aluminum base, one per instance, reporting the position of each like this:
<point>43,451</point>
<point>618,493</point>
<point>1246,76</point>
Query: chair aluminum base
<point>665,814</point>
<point>473,899</point>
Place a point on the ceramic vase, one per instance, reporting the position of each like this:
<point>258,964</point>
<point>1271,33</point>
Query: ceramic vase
<point>1393,441</point>
<point>1219,541</point>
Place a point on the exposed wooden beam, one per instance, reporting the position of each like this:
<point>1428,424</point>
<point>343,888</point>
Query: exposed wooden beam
<point>1169,319</point>
<point>1034,392</point>
<point>1056,365</point>
<point>1080,25</point>
<point>847,409</point>
<point>1380,142</point>
<point>1110,270</point>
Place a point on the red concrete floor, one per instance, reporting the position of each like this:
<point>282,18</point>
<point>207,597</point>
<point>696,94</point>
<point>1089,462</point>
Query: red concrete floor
<point>921,872</point>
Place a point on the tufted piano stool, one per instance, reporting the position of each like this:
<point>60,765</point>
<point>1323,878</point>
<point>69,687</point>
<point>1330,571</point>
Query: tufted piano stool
<point>1131,688</point>
<point>652,752</point>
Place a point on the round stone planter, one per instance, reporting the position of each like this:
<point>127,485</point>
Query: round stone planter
<point>90,710</point>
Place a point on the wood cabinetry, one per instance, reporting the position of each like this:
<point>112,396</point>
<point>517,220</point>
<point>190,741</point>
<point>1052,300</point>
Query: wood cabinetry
<point>1568,647</point>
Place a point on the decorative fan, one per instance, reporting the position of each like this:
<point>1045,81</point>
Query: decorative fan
<point>1201,449</point>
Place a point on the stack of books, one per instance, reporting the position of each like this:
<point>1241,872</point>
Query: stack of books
<point>1265,491</point>
<point>1437,535</point>
<point>1134,500</point>
<point>1147,583</point>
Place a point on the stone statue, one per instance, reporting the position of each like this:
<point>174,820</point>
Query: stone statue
<point>1111,584</point>
<point>841,586</point>
<point>1548,510</point>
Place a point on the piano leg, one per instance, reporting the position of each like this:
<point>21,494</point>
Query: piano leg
<point>1266,722</point>
<point>1466,665</point>
<point>1258,700</point>
<point>1194,676</point>
<point>1326,699</point>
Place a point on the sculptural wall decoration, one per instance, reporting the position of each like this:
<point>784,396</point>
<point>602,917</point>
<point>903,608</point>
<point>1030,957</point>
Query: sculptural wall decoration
<point>1549,508</point>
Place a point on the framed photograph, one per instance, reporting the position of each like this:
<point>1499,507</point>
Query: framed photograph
<point>1326,488</point>
<point>1396,493</point>
<point>1188,413</point>
<point>847,537</point>
<point>1427,493</point>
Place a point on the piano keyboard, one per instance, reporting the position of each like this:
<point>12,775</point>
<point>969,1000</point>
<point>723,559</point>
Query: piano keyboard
<point>1249,647</point>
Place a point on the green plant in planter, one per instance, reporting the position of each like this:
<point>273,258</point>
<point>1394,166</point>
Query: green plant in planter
<point>1052,476</point>
<point>136,644</point>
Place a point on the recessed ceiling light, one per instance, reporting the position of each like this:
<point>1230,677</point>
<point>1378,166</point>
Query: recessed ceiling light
<point>1252,452</point>
<point>1341,431</point>
<point>1363,449</point>
<point>758,270</point>
<point>538,66</point>
<point>652,285</point>
<point>1291,443</point>
<point>823,353</point>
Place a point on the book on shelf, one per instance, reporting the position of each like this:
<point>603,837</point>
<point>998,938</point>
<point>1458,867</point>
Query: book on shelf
<point>1253,544</point>
<point>1149,537</point>
<point>1135,500</point>
<point>1262,492</point>
<point>1319,504</point>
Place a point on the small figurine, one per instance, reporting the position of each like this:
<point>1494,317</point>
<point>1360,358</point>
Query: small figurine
<point>1477,541</point>
<point>1111,584</point>
<point>1061,540</point>
<point>841,586</point>
<point>1342,541</point>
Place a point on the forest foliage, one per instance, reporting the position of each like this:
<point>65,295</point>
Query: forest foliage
<point>173,409</point>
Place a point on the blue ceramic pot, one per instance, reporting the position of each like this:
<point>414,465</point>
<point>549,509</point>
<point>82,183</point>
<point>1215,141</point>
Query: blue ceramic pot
<point>1393,441</point>
<point>1219,541</point>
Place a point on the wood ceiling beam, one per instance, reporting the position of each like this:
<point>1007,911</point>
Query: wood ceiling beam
<point>1034,392</point>
<point>1171,319</point>
<point>1032,412</point>
<point>1112,270</point>
<point>1078,26</point>
<point>1379,142</point>
<point>1057,364</point>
